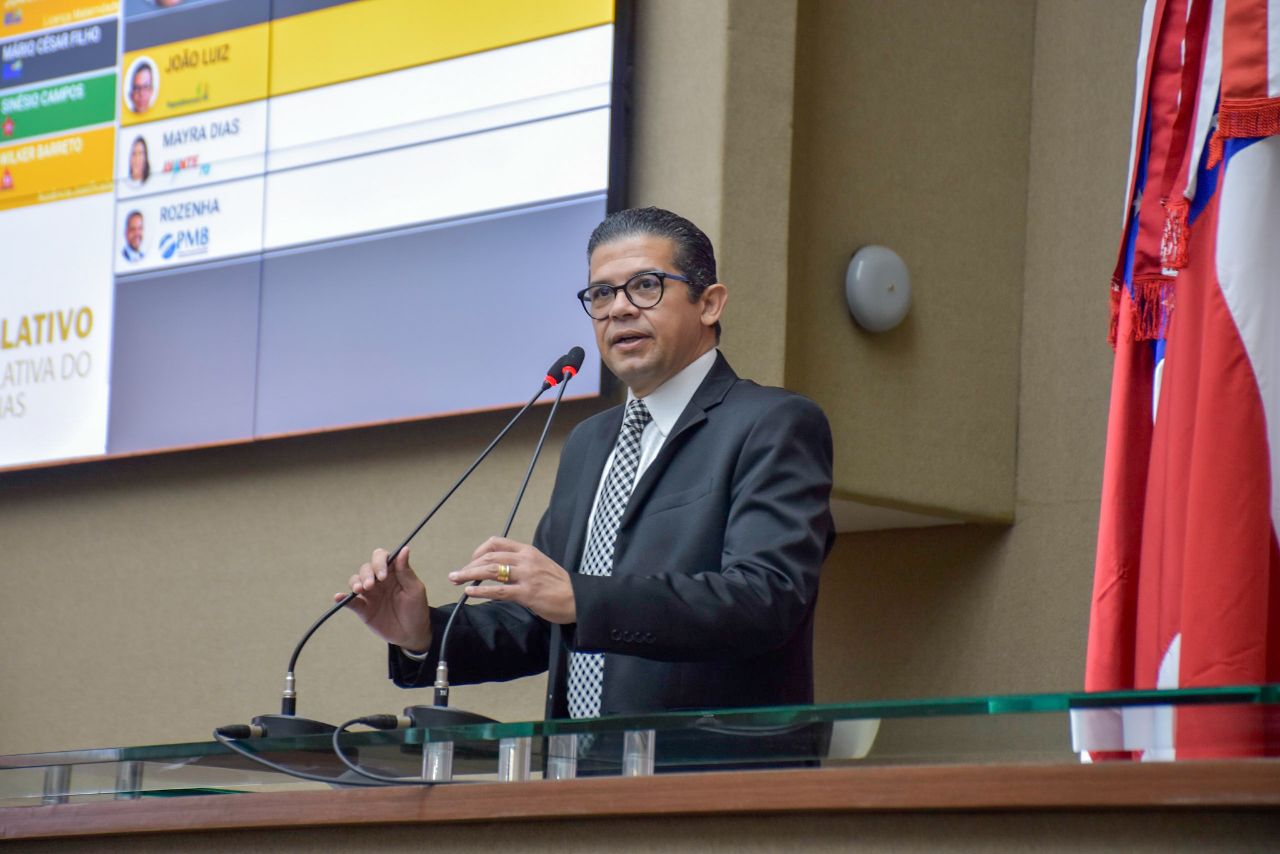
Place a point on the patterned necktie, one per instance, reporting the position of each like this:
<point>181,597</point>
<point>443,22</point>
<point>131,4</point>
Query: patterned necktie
<point>586,670</point>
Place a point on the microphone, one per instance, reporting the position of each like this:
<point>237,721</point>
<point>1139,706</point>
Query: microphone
<point>568,366</point>
<point>568,370</point>
<point>286,723</point>
<point>439,714</point>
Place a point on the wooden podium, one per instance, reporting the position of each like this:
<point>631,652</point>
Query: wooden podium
<point>1114,806</point>
<point>950,774</point>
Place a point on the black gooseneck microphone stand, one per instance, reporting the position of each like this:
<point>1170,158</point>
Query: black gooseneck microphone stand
<point>287,723</point>
<point>439,714</point>
<point>441,698</point>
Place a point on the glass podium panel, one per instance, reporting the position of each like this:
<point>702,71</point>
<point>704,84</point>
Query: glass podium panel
<point>1186,725</point>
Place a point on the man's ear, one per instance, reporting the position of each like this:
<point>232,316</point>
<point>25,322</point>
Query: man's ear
<point>713,301</point>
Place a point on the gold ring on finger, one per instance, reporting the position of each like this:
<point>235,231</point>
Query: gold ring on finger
<point>504,573</point>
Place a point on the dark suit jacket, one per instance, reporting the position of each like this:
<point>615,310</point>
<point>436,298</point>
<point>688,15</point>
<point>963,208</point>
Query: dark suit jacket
<point>715,576</point>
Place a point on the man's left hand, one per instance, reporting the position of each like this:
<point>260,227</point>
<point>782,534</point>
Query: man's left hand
<point>534,580</point>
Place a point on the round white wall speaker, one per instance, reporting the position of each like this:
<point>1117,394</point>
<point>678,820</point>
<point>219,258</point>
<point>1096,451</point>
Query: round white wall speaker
<point>877,288</point>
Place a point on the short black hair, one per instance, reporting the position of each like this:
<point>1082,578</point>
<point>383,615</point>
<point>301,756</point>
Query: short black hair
<point>695,256</point>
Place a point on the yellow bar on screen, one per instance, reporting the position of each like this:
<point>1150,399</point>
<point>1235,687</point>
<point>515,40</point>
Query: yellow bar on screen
<point>357,40</point>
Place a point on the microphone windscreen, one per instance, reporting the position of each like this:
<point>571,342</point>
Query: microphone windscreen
<point>553,372</point>
<point>574,359</point>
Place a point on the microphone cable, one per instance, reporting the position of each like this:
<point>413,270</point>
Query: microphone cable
<point>228,736</point>
<point>383,722</point>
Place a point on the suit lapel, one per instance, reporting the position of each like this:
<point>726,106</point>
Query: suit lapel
<point>713,389</point>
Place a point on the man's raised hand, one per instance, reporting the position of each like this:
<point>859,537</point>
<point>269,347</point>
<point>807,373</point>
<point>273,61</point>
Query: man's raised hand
<point>392,601</point>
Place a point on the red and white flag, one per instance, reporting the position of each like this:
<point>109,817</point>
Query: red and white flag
<point>1187,578</point>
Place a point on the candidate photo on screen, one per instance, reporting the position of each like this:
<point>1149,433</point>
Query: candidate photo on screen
<point>142,84</point>
<point>133,233</point>
<point>139,163</point>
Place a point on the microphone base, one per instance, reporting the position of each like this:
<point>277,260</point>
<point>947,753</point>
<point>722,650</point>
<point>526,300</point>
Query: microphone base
<point>288,726</point>
<point>438,756</point>
<point>440,716</point>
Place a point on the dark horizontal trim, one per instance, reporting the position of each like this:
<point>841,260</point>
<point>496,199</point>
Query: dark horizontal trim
<point>179,23</point>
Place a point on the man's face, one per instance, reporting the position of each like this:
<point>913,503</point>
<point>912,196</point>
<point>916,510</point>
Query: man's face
<point>133,232</point>
<point>140,90</point>
<point>645,348</point>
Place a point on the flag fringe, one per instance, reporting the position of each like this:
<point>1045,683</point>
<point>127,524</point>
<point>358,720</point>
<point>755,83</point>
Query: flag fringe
<point>1152,304</point>
<point>1117,288</point>
<point>1243,118</point>
<point>1177,233</point>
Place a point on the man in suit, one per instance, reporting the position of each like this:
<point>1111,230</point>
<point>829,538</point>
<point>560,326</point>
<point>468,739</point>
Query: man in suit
<point>677,563</point>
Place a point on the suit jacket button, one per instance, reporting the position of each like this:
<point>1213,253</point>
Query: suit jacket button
<point>628,637</point>
<point>615,634</point>
<point>648,637</point>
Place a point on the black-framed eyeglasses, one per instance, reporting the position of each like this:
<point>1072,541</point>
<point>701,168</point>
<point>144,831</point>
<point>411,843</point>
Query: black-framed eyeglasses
<point>643,290</point>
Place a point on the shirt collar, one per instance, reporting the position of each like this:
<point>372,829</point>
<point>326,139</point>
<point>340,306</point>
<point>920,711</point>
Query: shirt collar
<point>667,401</point>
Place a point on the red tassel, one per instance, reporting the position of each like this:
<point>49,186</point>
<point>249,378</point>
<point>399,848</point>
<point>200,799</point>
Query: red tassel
<point>1117,288</point>
<point>1243,118</point>
<point>1177,233</point>
<point>1215,150</point>
<point>1152,304</point>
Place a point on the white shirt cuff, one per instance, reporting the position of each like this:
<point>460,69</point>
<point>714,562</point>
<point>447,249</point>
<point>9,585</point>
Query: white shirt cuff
<point>415,656</point>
